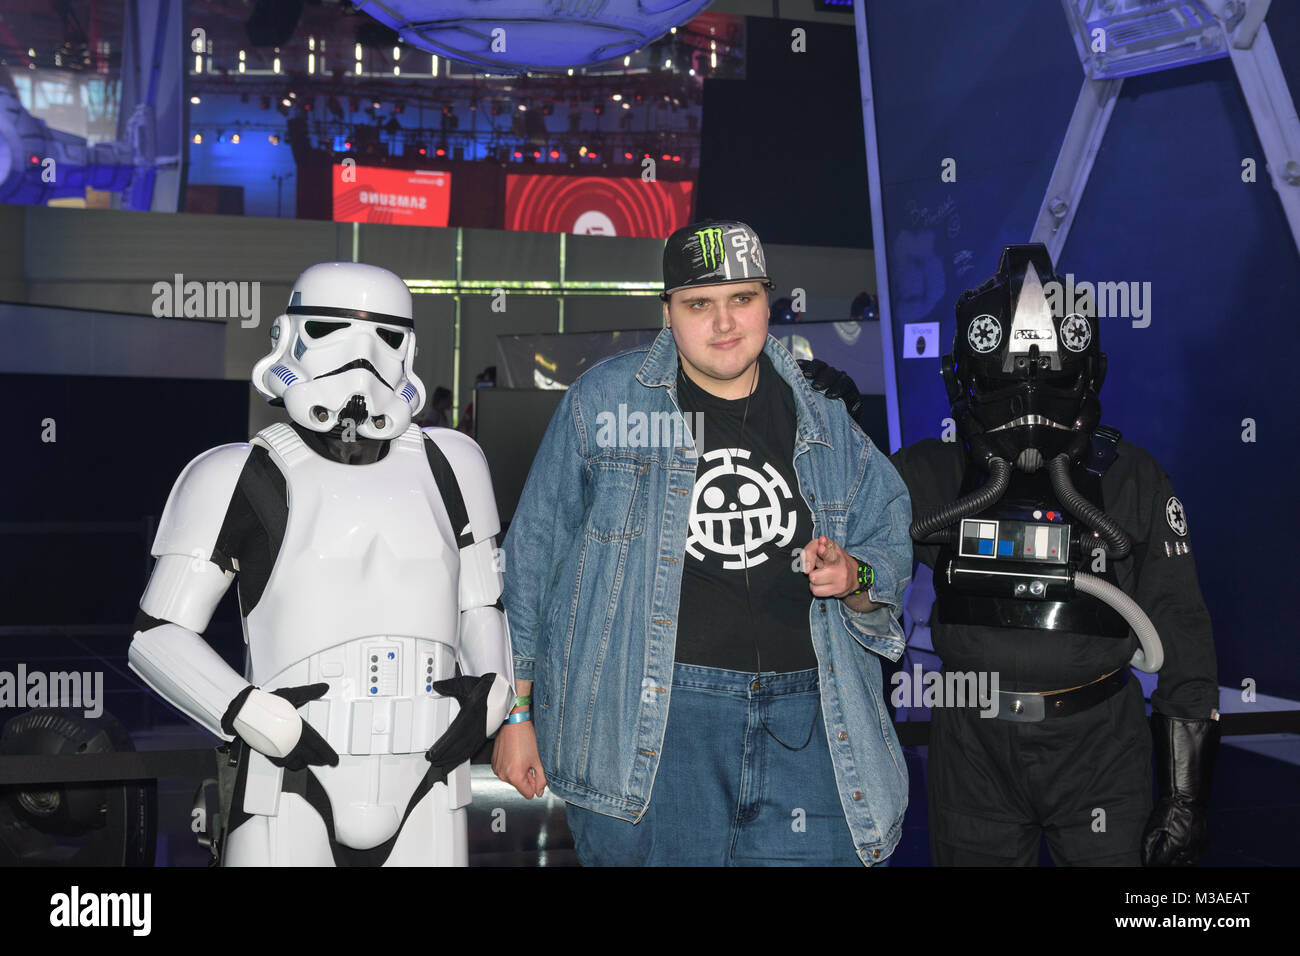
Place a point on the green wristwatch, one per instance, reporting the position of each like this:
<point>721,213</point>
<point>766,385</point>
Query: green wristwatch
<point>866,577</point>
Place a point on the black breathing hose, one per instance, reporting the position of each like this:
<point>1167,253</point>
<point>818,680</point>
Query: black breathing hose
<point>1118,543</point>
<point>941,517</point>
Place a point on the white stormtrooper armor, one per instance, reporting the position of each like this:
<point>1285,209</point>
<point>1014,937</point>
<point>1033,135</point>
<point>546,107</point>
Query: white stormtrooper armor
<point>377,590</point>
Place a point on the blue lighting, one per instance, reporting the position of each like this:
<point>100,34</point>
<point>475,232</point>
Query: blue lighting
<point>1131,37</point>
<point>521,35</point>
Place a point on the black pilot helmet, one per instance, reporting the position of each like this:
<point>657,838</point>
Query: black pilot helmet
<point>1026,366</point>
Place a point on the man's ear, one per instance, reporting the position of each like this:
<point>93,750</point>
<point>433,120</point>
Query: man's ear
<point>668,322</point>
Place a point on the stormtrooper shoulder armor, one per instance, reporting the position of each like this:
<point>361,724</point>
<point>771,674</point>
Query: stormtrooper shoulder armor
<point>471,468</point>
<point>198,502</point>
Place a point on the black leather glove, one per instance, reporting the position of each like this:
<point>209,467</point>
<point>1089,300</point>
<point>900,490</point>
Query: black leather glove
<point>311,748</point>
<point>471,728</point>
<point>836,384</point>
<point>1177,832</point>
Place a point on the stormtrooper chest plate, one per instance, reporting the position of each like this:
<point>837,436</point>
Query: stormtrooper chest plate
<point>368,558</point>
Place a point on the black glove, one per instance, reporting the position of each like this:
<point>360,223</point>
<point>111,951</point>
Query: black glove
<point>469,731</point>
<point>836,384</point>
<point>311,748</point>
<point>1177,832</point>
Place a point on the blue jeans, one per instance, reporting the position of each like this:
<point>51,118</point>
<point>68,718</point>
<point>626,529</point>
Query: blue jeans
<point>726,793</point>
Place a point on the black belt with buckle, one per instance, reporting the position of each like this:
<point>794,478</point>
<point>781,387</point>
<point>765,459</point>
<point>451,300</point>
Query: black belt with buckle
<point>1031,707</point>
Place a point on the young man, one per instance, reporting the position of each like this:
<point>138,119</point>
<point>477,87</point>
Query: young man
<point>699,610</point>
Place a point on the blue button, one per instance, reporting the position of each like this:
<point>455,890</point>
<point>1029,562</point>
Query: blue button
<point>428,687</point>
<point>1005,547</point>
<point>986,546</point>
<point>391,655</point>
<point>374,690</point>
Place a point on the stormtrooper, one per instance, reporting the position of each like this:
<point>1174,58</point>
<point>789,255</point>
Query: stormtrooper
<point>1061,557</point>
<point>378,657</point>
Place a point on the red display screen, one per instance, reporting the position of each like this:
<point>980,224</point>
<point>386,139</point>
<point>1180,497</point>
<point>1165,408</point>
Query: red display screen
<point>596,205</point>
<point>399,197</point>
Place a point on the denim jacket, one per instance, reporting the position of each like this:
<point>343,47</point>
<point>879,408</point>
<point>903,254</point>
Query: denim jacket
<point>593,571</point>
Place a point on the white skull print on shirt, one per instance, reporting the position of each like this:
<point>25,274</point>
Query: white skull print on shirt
<point>744,606</point>
<point>738,510</point>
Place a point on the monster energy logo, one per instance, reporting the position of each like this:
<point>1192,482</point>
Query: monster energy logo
<point>711,246</point>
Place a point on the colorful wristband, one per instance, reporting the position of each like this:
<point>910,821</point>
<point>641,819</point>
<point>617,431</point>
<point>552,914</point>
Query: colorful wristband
<point>520,717</point>
<point>525,701</point>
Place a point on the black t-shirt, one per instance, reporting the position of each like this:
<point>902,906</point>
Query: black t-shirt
<point>746,510</point>
<point>1159,574</point>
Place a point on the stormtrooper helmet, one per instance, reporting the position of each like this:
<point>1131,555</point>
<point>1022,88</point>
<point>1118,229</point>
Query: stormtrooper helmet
<point>342,352</point>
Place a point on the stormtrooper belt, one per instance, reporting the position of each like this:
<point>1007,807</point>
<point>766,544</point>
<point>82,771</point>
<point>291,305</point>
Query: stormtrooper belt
<point>1031,707</point>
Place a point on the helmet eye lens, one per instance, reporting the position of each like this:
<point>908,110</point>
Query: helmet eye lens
<point>392,338</point>
<point>318,330</point>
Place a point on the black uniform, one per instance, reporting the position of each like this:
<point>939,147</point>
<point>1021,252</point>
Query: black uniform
<point>1085,779</point>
